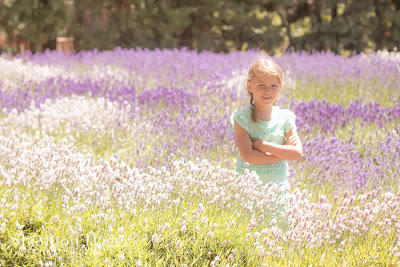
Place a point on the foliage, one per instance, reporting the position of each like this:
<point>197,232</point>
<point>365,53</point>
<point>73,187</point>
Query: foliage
<point>36,21</point>
<point>274,26</point>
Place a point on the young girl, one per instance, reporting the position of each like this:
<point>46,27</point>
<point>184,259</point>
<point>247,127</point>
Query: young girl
<point>266,135</point>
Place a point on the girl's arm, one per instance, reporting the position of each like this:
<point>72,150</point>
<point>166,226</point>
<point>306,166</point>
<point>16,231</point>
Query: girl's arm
<point>284,152</point>
<point>248,154</point>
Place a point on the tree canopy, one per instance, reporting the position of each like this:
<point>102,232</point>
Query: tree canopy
<point>220,26</point>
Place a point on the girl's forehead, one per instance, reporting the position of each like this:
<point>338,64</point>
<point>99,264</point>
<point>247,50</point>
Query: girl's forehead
<point>266,78</point>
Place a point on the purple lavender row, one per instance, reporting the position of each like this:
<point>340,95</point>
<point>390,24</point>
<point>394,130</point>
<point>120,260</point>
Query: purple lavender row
<point>373,72</point>
<point>328,116</point>
<point>340,163</point>
<point>326,66</point>
<point>323,114</point>
<point>53,88</point>
<point>171,67</point>
<point>301,65</point>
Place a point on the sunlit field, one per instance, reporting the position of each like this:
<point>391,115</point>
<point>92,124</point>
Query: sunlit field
<point>127,158</point>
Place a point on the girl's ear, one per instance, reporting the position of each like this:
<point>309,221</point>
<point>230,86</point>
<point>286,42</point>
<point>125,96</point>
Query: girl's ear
<point>249,87</point>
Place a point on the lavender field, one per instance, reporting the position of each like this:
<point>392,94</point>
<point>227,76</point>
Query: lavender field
<point>127,158</point>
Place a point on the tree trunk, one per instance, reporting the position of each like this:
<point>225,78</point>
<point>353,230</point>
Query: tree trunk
<point>380,30</point>
<point>286,24</point>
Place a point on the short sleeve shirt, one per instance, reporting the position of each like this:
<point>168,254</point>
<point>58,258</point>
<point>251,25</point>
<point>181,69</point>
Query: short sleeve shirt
<point>282,120</point>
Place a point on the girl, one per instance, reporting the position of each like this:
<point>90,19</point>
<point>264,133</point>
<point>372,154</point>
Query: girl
<point>265,134</point>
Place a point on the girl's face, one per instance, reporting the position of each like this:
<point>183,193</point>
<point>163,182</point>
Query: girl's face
<point>265,88</point>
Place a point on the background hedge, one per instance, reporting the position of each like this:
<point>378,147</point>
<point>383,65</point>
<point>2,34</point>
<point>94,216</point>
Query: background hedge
<point>272,25</point>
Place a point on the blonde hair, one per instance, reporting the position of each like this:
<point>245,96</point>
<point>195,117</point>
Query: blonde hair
<point>263,66</point>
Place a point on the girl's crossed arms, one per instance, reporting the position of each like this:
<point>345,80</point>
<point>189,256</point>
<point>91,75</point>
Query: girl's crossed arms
<point>261,152</point>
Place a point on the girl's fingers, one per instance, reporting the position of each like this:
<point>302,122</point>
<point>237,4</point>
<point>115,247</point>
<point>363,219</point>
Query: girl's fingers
<point>292,140</point>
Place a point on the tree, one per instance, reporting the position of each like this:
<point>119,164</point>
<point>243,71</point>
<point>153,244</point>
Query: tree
<point>271,25</point>
<point>37,21</point>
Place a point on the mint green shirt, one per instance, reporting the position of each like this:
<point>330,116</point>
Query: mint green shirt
<point>282,120</point>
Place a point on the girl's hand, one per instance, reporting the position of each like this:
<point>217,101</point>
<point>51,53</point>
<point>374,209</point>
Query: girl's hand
<point>292,141</point>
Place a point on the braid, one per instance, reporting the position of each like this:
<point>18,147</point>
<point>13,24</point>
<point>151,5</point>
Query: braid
<point>253,115</point>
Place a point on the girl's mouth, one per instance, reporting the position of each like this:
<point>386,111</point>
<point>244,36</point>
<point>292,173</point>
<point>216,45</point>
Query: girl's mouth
<point>267,98</point>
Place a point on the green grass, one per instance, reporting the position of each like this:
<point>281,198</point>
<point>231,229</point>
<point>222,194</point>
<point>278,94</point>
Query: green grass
<point>344,92</point>
<point>49,239</point>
